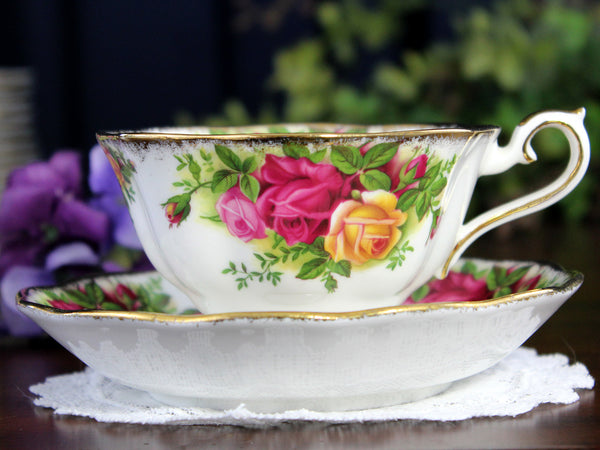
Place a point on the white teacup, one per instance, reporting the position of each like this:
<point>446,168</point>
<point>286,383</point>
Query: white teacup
<point>314,217</point>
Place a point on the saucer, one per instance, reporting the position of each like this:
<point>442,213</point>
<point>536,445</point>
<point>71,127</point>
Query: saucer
<point>140,331</point>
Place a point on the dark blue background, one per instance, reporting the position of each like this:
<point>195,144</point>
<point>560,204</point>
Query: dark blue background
<point>126,64</point>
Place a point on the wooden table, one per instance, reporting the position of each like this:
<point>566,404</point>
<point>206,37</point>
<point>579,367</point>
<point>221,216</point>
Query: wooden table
<point>573,331</point>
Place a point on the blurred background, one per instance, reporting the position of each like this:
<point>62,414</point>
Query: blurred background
<point>84,66</point>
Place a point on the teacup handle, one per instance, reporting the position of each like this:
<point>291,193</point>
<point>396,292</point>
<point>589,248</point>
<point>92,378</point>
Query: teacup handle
<point>499,159</point>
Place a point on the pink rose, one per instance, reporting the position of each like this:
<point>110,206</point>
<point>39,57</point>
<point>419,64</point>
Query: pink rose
<point>240,215</point>
<point>456,287</point>
<point>298,197</point>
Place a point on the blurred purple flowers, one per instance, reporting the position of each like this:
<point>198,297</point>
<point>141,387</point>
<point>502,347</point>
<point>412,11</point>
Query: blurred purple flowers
<point>50,232</point>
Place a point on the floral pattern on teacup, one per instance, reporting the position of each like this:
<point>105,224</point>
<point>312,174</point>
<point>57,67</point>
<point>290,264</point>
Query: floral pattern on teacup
<point>124,170</point>
<point>320,211</point>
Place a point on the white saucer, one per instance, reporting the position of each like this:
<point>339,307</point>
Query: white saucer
<point>290,360</point>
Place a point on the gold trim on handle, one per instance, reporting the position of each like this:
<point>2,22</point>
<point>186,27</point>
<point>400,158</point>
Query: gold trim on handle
<point>530,204</point>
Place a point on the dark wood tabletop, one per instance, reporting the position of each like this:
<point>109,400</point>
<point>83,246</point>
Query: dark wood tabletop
<point>572,331</point>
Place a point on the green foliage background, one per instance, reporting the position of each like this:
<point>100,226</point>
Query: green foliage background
<point>506,61</point>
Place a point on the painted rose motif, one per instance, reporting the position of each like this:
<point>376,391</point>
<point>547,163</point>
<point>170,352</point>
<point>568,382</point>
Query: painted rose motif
<point>472,283</point>
<point>456,287</point>
<point>298,197</point>
<point>172,215</point>
<point>403,174</point>
<point>123,169</point>
<point>117,296</point>
<point>321,210</point>
<point>65,306</point>
<point>240,215</point>
<point>366,229</point>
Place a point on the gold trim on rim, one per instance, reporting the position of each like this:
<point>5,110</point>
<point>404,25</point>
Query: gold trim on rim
<point>429,130</point>
<point>576,278</point>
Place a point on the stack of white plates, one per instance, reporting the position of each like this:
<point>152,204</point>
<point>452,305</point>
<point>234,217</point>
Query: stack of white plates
<point>17,137</point>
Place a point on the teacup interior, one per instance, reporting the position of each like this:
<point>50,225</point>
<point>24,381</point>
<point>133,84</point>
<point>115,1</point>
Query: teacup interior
<point>297,128</point>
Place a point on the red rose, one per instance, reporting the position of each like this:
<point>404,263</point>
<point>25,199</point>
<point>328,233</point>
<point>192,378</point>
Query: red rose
<point>456,287</point>
<point>298,197</point>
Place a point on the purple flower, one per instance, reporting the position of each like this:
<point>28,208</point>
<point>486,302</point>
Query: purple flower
<point>15,279</point>
<point>19,277</point>
<point>49,233</point>
<point>42,208</point>
<point>45,225</point>
<point>108,197</point>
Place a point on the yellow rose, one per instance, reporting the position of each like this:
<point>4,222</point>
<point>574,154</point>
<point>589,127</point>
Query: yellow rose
<point>364,230</point>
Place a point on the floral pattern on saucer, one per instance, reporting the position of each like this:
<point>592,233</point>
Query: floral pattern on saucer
<point>469,281</point>
<point>111,294</point>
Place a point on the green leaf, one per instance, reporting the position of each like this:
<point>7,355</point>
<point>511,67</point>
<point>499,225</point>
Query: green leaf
<point>317,248</point>
<point>228,158</point>
<point>331,284</point>
<point>420,293</point>
<point>194,169</point>
<point>80,298</point>
<point>95,293</point>
<point>343,267</point>
<point>186,213</point>
<point>433,171</point>
<point>250,187</point>
<point>500,273</point>
<point>407,199</point>
<point>312,269</point>
<point>380,154</point>
<point>347,159</point>
<point>179,198</point>
<point>469,267</point>
<point>223,180</point>
<point>215,218</point>
<point>250,164</point>
<point>374,179</point>
<point>437,186</point>
<point>502,292</point>
<point>110,306</point>
<point>491,281</point>
<point>295,150</point>
<point>422,204</point>
<point>318,156</point>
<point>205,156</point>
<point>182,203</point>
<point>409,177</point>
<point>516,275</point>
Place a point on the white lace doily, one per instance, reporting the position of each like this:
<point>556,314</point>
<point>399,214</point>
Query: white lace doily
<point>517,384</point>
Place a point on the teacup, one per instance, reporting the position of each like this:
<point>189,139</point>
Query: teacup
<point>320,217</point>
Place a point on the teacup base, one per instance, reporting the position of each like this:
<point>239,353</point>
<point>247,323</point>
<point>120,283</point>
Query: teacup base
<point>318,404</point>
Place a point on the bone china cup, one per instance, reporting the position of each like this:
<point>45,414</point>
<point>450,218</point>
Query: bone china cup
<point>319,217</point>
